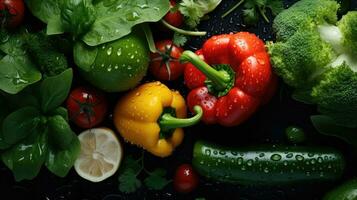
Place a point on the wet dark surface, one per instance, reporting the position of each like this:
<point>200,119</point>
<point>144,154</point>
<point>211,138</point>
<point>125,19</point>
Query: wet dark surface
<point>266,126</point>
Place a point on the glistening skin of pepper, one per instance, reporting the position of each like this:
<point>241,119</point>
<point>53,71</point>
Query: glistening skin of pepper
<point>239,82</point>
<point>152,117</point>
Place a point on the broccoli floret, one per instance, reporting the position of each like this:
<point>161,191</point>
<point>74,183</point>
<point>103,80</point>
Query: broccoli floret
<point>292,19</point>
<point>300,59</point>
<point>46,57</point>
<point>336,95</point>
<point>348,27</point>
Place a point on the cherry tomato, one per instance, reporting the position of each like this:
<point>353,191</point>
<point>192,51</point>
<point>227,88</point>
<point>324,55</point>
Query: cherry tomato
<point>165,65</point>
<point>186,179</point>
<point>87,107</point>
<point>174,16</point>
<point>11,13</point>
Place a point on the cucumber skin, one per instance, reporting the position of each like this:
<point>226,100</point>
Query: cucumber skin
<point>347,191</point>
<point>261,165</point>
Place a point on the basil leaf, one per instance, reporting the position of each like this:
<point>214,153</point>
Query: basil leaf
<point>60,162</point>
<point>63,112</point>
<point>54,90</point>
<point>60,133</point>
<point>26,158</point>
<point>325,125</point>
<point>16,73</point>
<point>44,9</point>
<point>19,124</point>
<point>84,56</point>
<point>115,19</point>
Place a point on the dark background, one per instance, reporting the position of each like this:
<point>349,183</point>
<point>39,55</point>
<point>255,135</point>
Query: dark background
<point>266,126</point>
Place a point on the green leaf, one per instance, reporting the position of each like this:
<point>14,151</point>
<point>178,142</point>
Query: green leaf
<point>26,158</point>
<point>54,90</point>
<point>63,112</point>
<point>55,26</point>
<point>149,37</point>
<point>44,9</point>
<point>325,125</point>
<point>179,39</point>
<point>156,180</point>
<point>115,19</point>
<point>16,73</point>
<point>84,55</point>
<point>77,16</point>
<point>128,181</point>
<point>60,133</point>
<point>19,124</point>
<point>276,6</point>
<point>250,16</point>
<point>60,162</point>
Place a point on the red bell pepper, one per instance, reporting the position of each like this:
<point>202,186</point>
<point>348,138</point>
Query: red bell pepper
<point>239,81</point>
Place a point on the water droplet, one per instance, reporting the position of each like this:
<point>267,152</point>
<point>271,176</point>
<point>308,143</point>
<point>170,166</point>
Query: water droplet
<point>137,94</point>
<point>285,163</point>
<point>130,68</point>
<point>299,157</point>
<point>275,157</point>
<point>319,160</point>
<point>266,170</point>
<point>289,155</point>
<point>138,60</point>
<point>132,16</point>
<point>132,57</point>
<point>120,6</point>
<point>103,47</point>
<point>143,6</point>
<point>215,152</point>
<point>243,168</point>
<point>250,162</point>
<point>119,52</point>
<point>310,154</point>
<point>109,51</point>
<point>234,153</point>
<point>116,67</point>
<point>307,173</point>
<point>208,152</point>
<point>156,8</point>
<point>313,161</point>
<point>109,69</point>
<point>103,65</point>
<point>240,161</point>
<point>261,155</point>
<point>222,153</point>
<point>202,162</point>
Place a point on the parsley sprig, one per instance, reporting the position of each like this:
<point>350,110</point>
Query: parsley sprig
<point>254,8</point>
<point>132,168</point>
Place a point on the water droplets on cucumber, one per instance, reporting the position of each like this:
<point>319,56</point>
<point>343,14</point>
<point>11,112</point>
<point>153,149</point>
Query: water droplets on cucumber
<point>275,157</point>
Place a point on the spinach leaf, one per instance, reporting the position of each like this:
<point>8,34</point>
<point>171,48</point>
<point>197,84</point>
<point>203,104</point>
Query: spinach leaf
<point>16,73</point>
<point>44,9</point>
<point>60,133</point>
<point>84,56</point>
<point>19,124</point>
<point>115,19</point>
<point>26,158</point>
<point>60,162</point>
<point>54,90</point>
<point>326,125</point>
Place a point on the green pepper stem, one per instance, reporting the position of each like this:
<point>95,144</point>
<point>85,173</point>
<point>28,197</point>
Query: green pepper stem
<point>168,122</point>
<point>220,79</point>
<point>232,9</point>
<point>183,32</point>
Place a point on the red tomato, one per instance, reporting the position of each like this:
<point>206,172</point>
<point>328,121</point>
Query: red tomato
<point>164,64</point>
<point>87,107</point>
<point>186,179</point>
<point>174,16</point>
<point>11,12</point>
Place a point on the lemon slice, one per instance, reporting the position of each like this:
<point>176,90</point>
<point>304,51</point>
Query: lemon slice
<point>101,154</point>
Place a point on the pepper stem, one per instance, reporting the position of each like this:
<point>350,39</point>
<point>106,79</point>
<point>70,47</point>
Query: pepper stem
<point>220,79</point>
<point>168,122</point>
<point>183,32</point>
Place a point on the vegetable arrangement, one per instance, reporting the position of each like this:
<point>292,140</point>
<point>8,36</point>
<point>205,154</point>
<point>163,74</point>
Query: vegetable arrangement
<point>56,76</point>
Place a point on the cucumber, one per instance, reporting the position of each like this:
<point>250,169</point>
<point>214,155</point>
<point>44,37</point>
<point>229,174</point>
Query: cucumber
<point>347,191</point>
<point>267,165</point>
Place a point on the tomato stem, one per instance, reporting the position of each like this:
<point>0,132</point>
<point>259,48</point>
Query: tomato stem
<point>168,122</point>
<point>183,32</point>
<point>232,9</point>
<point>220,79</point>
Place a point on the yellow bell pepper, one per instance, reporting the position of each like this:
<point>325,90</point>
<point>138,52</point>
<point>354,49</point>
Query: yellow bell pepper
<point>152,117</point>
